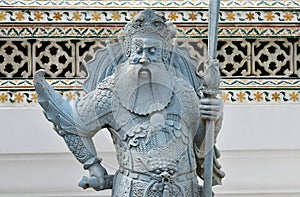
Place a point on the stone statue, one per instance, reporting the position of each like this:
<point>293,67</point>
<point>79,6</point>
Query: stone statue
<point>146,92</point>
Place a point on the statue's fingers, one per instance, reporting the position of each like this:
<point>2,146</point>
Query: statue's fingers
<point>209,113</point>
<point>209,108</point>
<point>208,101</point>
<point>209,116</point>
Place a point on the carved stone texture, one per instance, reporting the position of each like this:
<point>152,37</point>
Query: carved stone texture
<point>146,94</point>
<point>56,57</point>
<point>15,58</point>
<point>235,57</point>
<point>197,47</point>
<point>68,57</point>
<point>297,58</point>
<point>85,51</point>
<point>272,57</point>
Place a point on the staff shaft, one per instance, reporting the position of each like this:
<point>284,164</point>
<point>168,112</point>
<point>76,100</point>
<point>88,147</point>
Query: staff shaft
<point>214,7</point>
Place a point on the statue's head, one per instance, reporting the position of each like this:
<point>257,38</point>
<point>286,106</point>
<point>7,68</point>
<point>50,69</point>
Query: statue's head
<point>148,38</point>
<point>143,84</point>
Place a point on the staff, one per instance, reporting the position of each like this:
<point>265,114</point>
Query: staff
<point>211,78</point>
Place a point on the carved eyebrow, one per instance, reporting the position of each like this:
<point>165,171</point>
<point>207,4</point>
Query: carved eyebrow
<point>138,42</point>
<point>154,44</point>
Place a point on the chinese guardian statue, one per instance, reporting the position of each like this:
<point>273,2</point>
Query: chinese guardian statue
<point>146,92</point>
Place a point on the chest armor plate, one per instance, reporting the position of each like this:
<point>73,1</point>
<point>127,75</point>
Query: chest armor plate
<point>161,140</point>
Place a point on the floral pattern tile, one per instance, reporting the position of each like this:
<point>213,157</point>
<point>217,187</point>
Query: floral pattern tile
<point>227,16</point>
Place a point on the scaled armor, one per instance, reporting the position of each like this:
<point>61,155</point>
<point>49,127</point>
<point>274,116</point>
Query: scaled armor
<point>151,110</point>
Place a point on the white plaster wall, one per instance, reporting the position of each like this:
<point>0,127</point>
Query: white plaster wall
<point>259,144</point>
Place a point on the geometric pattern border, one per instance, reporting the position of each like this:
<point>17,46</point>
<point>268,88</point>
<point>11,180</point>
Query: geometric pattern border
<point>27,84</point>
<point>153,3</point>
<point>260,91</point>
<point>234,91</point>
<point>230,97</point>
<point>260,83</point>
<point>225,83</point>
<point>98,31</point>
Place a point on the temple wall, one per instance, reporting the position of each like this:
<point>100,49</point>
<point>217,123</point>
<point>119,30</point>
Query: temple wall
<point>259,53</point>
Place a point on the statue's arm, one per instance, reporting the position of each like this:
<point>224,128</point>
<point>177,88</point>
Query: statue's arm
<point>199,138</point>
<point>76,124</point>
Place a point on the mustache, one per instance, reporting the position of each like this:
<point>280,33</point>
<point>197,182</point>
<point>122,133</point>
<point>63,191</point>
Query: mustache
<point>134,60</point>
<point>150,66</point>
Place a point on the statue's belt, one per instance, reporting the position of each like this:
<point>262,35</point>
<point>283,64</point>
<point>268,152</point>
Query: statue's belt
<point>158,177</point>
<point>163,180</point>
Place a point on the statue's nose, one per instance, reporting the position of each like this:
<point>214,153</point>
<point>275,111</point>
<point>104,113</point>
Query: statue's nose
<point>144,60</point>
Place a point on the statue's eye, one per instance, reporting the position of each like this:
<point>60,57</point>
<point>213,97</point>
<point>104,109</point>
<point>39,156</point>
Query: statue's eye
<point>152,50</point>
<point>139,50</point>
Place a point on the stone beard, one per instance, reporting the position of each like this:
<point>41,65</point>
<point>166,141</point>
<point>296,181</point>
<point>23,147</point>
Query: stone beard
<point>144,89</point>
<point>156,132</point>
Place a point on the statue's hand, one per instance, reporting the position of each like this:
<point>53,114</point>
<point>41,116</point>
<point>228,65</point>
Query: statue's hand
<point>211,108</point>
<point>98,171</point>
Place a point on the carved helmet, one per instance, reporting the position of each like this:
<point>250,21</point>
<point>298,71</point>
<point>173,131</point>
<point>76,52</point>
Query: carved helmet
<point>150,24</point>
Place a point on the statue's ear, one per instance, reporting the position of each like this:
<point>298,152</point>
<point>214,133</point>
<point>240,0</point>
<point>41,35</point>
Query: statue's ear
<point>127,47</point>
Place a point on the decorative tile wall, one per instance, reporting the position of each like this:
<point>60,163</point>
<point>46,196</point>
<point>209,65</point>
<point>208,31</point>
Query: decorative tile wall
<point>151,3</point>
<point>190,16</point>
<point>258,49</point>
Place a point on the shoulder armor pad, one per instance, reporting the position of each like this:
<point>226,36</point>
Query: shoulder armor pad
<point>96,104</point>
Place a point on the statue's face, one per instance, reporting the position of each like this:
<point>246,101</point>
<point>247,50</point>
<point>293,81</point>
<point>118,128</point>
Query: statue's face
<point>145,51</point>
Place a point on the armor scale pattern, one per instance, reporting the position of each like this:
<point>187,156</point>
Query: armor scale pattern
<point>96,104</point>
<point>77,147</point>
